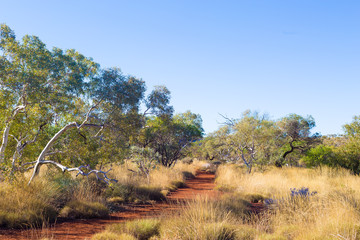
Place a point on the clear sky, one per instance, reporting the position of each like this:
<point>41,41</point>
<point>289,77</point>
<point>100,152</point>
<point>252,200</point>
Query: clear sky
<point>272,56</point>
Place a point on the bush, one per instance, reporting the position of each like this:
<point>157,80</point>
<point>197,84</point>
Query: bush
<point>82,209</point>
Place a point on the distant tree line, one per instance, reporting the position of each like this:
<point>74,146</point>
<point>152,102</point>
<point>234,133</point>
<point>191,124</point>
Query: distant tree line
<point>256,140</point>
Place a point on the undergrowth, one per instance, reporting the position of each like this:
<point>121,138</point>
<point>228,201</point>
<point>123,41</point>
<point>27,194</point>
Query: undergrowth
<point>55,194</point>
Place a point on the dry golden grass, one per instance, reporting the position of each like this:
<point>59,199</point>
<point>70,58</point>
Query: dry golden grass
<point>332,213</point>
<point>161,176</point>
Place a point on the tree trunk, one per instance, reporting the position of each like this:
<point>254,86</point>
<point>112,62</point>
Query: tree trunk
<point>5,137</point>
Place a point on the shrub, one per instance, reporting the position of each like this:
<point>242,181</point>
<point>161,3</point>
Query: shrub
<point>81,209</point>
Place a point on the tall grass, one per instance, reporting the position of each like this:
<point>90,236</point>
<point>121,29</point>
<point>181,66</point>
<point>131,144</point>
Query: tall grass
<point>53,193</point>
<point>332,213</point>
<point>24,206</point>
<point>134,187</point>
<point>202,218</point>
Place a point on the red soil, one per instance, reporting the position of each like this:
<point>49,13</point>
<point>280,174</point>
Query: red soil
<point>202,184</point>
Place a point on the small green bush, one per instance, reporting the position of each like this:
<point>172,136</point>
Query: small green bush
<point>82,209</point>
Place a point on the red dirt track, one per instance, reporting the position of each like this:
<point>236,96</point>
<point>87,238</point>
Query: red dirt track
<point>202,184</point>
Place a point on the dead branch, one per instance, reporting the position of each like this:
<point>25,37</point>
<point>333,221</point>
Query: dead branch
<point>79,169</point>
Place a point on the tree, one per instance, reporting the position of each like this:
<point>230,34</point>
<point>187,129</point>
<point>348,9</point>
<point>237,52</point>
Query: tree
<point>37,85</point>
<point>320,155</point>
<point>169,136</point>
<point>115,97</point>
<point>145,159</point>
<point>296,135</point>
<point>250,139</point>
<point>157,103</point>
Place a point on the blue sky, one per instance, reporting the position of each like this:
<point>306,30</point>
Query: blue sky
<point>275,57</point>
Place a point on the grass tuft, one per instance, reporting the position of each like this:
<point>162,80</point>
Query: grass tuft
<point>82,210</point>
<point>142,229</point>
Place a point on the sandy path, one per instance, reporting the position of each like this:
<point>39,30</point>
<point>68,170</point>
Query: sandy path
<point>203,185</point>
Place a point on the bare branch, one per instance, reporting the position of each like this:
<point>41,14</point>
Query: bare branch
<point>228,121</point>
<point>79,169</point>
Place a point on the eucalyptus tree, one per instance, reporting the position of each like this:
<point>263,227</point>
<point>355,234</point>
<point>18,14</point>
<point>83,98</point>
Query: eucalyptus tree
<point>58,107</point>
<point>37,86</point>
<point>251,138</point>
<point>170,135</point>
<point>296,135</point>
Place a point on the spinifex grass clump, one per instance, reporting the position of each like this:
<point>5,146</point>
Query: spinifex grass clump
<point>141,229</point>
<point>201,219</point>
<point>23,206</point>
<point>83,209</point>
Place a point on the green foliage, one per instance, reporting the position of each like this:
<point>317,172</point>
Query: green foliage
<point>158,101</point>
<point>170,136</point>
<point>145,159</point>
<point>42,91</point>
<point>320,155</point>
<point>296,135</point>
<point>256,140</point>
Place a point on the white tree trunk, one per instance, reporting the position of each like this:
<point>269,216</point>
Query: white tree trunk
<point>5,137</point>
<point>47,148</point>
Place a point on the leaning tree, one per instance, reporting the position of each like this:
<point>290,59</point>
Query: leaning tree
<point>296,135</point>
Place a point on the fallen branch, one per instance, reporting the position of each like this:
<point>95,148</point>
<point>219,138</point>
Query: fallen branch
<point>79,169</point>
